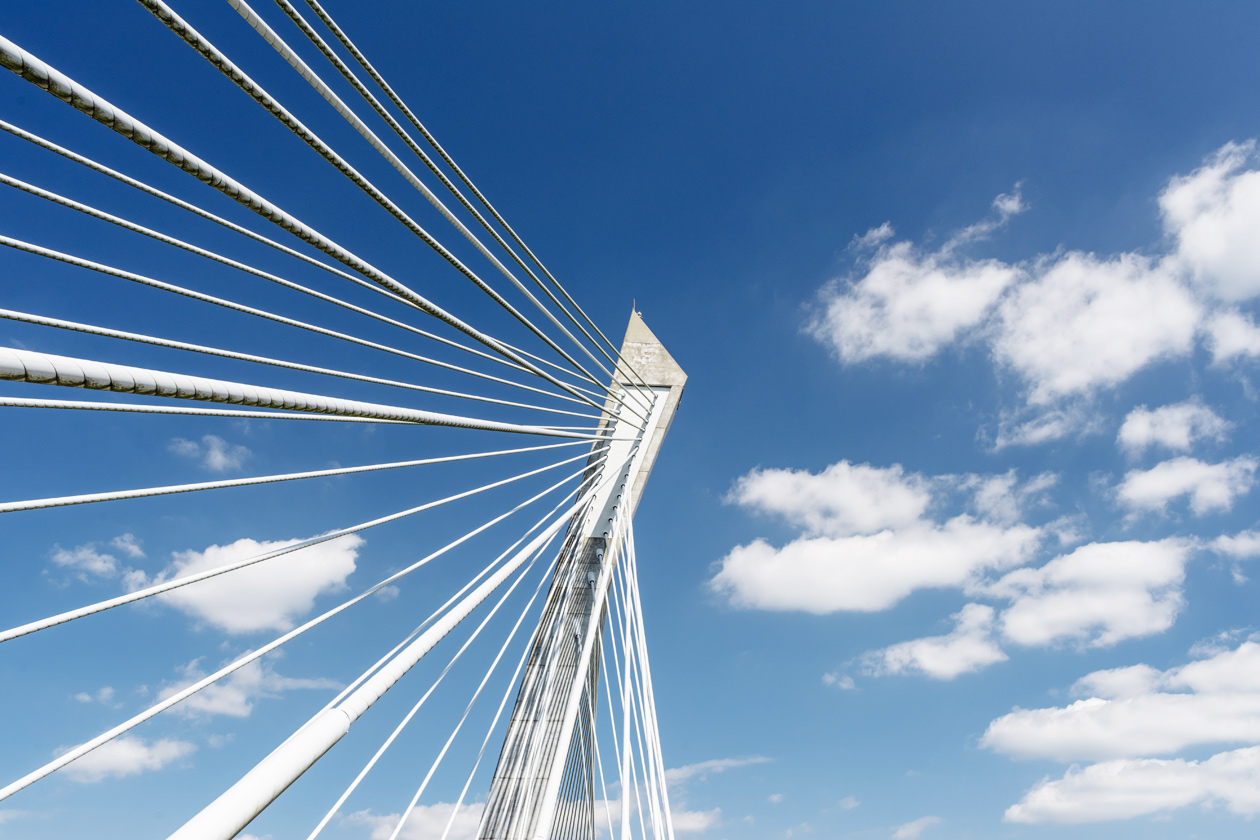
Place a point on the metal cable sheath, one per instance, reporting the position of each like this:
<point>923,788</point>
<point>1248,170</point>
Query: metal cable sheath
<point>42,320</point>
<point>63,87</point>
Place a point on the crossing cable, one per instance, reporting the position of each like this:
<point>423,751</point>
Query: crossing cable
<point>337,103</point>
<point>237,807</point>
<point>166,586</point>
<point>419,703</point>
<point>312,77</point>
<point>48,369</point>
<point>80,262</point>
<point>442,609</point>
<point>188,691</point>
<point>221,62</point>
<point>63,87</point>
<point>629,710</point>
<point>148,492</point>
<point>42,320</point>
<point>88,210</point>
<point>450,162</point>
<point>192,208</point>
<point>645,676</point>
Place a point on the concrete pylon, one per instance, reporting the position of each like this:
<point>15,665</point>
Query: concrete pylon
<point>543,786</point>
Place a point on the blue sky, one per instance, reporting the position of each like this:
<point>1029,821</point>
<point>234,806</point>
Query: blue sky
<point>952,536</point>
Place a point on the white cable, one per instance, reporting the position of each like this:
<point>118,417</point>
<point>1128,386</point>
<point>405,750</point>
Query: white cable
<point>74,326</point>
<point>150,591</point>
<point>101,268</point>
<point>85,748</point>
<point>88,498</point>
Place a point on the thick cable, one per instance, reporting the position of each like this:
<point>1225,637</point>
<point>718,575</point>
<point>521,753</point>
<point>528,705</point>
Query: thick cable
<point>147,492</point>
<point>80,262</point>
<point>217,59</point>
<point>402,724</point>
<point>450,162</point>
<point>306,72</point>
<point>188,691</point>
<point>158,589</point>
<point>96,213</point>
<point>56,83</point>
<point>134,408</point>
<point>48,369</point>
<point>192,208</point>
<point>58,323</point>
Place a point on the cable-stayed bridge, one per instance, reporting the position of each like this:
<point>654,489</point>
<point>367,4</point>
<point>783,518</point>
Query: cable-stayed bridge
<point>291,293</point>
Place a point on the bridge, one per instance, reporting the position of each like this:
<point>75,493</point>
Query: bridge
<point>177,298</point>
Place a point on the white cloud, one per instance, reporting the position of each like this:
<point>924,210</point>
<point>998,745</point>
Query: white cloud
<point>129,545</point>
<point>1210,487</point>
<point>1127,788</point>
<point>1242,546</point>
<point>867,542</point>
<point>844,682</point>
<point>849,803</point>
<point>1098,594</point>
<point>695,822</point>
<point>426,822</point>
<point>1068,323</point>
<point>103,695</point>
<point>85,560</point>
<point>678,775</point>
<point>909,304</point>
<point>7,814</point>
<point>1177,427</point>
<point>1086,323</point>
<point>126,756</point>
<point>1231,334</point>
<point>1213,215</point>
<point>842,500</point>
<point>266,596</point>
<point>216,454</point>
<point>235,694</point>
<point>914,828</point>
<point>775,798</point>
<point>968,648</point>
<point>1140,711</point>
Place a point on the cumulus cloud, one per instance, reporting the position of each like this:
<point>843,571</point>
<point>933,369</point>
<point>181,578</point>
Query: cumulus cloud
<point>1177,427</point>
<point>426,822</point>
<point>1068,324</point>
<point>1141,711</point>
<point>103,695</point>
<point>1098,594</point>
<point>849,803</point>
<point>909,303</point>
<point>1211,488</point>
<point>867,540</point>
<point>968,648</point>
<point>1127,788</point>
<point>126,756</point>
<point>215,453</point>
<point>696,822</point>
<point>236,694</point>
<point>913,829</point>
<point>266,596</point>
<point>1213,215</point>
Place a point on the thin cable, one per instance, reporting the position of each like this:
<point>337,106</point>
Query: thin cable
<point>192,208</point>
<point>48,369</point>
<point>419,703</point>
<point>89,498</point>
<point>218,60</point>
<point>432,141</point>
<point>188,691</point>
<point>96,213</point>
<point>74,326</point>
<point>276,41</point>
<point>58,84</point>
<point>101,268</point>
<point>158,589</point>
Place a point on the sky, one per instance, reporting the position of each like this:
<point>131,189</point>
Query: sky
<point>953,534</point>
